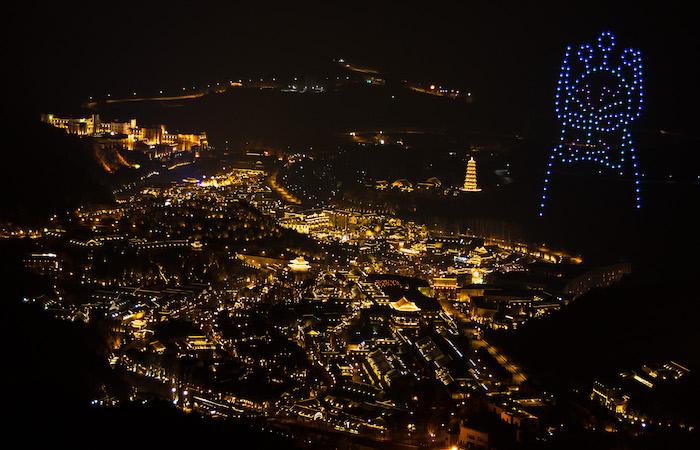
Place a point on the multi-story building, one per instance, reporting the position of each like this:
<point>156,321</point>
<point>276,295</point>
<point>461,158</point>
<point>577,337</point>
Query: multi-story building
<point>93,126</point>
<point>81,126</point>
<point>470,178</point>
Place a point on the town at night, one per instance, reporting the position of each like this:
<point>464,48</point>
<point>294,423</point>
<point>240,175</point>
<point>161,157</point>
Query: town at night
<point>326,226</point>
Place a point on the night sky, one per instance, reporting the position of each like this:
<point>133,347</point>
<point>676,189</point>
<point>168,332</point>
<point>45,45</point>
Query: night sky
<point>508,55</point>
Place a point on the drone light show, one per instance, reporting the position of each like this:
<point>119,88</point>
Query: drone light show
<point>599,94</point>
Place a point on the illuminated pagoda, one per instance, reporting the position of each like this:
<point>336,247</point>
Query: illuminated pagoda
<point>470,179</point>
<point>299,264</point>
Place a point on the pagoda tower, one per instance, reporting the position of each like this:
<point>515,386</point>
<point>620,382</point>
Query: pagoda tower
<point>470,179</point>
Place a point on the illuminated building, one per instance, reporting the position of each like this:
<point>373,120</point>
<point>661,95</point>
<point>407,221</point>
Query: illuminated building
<point>153,136</point>
<point>197,342</point>
<point>81,126</point>
<point>381,185</point>
<point>404,305</point>
<point>142,244</point>
<point>446,283</point>
<point>444,287</point>
<point>599,94</point>
<point>597,277</point>
<point>611,398</point>
<point>470,179</point>
<point>473,437</point>
<point>117,127</point>
<point>378,365</point>
<point>130,133</point>
<point>43,263</point>
<point>477,276</point>
<point>403,185</point>
<point>430,183</point>
<point>299,264</point>
<point>92,125</point>
<point>306,221</point>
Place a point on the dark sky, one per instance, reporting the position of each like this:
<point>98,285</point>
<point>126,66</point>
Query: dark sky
<point>507,54</point>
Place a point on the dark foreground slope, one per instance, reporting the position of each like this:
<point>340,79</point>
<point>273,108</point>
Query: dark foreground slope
<point>46,171</point>
<point>53,369</point>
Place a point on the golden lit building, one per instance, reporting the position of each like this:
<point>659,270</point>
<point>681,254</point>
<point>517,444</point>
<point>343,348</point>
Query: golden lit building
<point>299,264</point>
<point>404,305</point>
<point>117,127</point>
<point>81,126</point>
<point>477,276</point>
<point>305,222</point>
<point>150,136</point>
<point>470,179</point>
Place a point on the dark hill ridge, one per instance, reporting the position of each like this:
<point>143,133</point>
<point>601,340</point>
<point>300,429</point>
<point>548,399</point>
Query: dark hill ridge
<point>46,171</point>
<point>640,321</point>
<point>280,119</point>
<point>606,331</point>
<point>55,368</point>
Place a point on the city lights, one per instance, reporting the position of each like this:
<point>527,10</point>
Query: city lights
<point>214,228</point>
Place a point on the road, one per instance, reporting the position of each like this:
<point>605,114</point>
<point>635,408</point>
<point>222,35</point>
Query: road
<point>286,195</point>
<point>518,375</point>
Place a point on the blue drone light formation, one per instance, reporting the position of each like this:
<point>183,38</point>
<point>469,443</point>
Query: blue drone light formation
<point>599,94</point>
